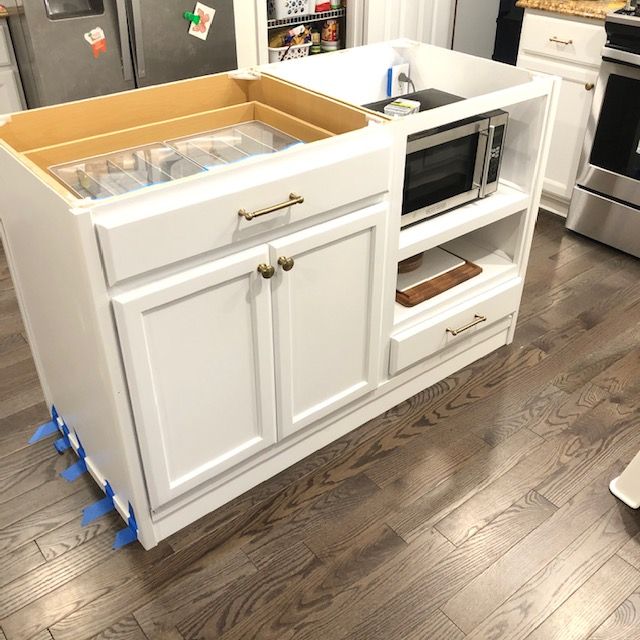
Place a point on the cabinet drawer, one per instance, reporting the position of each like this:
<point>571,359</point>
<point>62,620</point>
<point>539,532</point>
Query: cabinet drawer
<point>564,39</point>
<point>182,221</point>
<point>416,343</point>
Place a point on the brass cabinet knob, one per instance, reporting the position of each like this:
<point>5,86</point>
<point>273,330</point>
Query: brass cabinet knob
<point>286,263</point>
<point>589,86</point>
<point>266,271</point>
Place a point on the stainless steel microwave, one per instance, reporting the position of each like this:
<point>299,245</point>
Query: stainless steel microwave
<point>453,164</point>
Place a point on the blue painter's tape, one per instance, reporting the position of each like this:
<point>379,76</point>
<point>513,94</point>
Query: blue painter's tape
<point>75,470</point>
<point>123,537</point>
<point>44,431</point>
<point>129,534</point>
<point>62,444</point>
<point>96,510</point>
<point>100,508</point>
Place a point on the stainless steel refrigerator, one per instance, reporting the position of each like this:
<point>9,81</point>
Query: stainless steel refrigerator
<point>145,42</point>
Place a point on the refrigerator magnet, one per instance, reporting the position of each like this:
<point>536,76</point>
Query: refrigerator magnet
<point>97,40</point>
<point>201,29</point>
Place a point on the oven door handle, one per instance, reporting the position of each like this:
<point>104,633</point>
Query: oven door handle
<point>487,160</point>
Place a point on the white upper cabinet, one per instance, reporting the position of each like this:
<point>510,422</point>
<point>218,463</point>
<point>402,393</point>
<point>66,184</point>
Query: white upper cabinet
<point>198,354</point>
<point>327,315</point>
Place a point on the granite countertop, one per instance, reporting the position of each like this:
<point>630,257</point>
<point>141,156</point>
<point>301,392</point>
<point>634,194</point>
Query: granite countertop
<point>583,8</point>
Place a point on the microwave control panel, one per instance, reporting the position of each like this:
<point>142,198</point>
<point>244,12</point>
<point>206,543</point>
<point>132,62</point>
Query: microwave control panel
<point>496,152</point>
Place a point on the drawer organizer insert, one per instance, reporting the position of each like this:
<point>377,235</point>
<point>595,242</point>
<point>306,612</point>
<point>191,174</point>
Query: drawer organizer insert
<point>113,144</point>
<point>132,169</point>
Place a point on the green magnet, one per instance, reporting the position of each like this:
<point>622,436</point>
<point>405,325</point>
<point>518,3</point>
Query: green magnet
<point>191,17</point>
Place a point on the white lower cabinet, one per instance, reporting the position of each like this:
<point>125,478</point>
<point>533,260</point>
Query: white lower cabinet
<point>570,48</point>
<point>574,107</point>
<point>203,349</point>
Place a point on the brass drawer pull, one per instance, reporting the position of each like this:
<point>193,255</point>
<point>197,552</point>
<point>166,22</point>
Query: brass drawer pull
<point>477,319</point>
<point>266,270</point>
<point>558,41</point>
<point>589,86</point>
<point>286,263</point>
<point>250,215</point>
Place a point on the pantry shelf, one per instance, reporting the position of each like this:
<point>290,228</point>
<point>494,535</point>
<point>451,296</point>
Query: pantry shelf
<point>310,17</point>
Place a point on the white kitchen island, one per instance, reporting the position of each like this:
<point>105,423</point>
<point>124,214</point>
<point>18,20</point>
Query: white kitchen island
<point>192,350</point>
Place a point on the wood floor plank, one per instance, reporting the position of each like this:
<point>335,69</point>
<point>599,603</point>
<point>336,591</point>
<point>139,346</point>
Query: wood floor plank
<point>205,585</point>
<point>31,468</point>
<point>54,574</point>
<point>13,349</point>
<point>434,627</point>
<point>125,629</point>
<point>559,469</point>
<point>20,562</point>
<point>483,594</point>
<point>410,519</point>
<point>16,429</point>
<point>114,573</point>
<point>563,409</point>
<point>623,624</point>
<point>346,584</point>
<point>19,387</point>
<point>599,438</point>
<point>591,604</point>
<point>285,572</point>
<point>387,611</point>
<point>71,535</point>
<point>598,360</point>
<point>631,552</point>
<point>415,464</point>
<point>46,517</point>
<point>535,601</point>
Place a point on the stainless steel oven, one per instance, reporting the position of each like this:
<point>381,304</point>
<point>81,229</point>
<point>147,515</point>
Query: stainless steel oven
<point>606,200</point>
<point>451,165</point>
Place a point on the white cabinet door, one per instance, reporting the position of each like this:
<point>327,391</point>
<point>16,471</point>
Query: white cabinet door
<point>327,316</point>
<point>198,353</point>
<point>576,97</point>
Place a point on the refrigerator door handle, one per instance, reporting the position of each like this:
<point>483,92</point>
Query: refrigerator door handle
<point>137,35</point>
<point>125,52</point>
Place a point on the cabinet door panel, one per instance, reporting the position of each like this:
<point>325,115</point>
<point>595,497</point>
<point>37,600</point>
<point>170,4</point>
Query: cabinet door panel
<point>199,358</point>
<point>327,313</point>
<point>571,122</point>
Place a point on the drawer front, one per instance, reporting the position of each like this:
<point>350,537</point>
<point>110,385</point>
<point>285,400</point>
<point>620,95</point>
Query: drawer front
<point>454,326</point>
<point>564,39</point>
<point>148,233</point>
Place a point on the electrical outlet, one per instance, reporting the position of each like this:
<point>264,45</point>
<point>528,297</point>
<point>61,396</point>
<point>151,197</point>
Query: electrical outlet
<point>394,86</point>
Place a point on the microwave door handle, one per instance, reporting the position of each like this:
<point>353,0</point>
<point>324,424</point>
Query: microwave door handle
<point>125,52</point>
<point>136,12</point>
<point>487,161</point>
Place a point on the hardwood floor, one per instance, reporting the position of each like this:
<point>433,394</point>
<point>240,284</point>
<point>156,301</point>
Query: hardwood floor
<point>477,509</point>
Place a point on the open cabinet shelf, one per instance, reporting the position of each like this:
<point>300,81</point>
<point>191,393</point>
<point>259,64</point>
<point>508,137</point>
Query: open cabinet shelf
<point>433,232</point>
<point>492,248</point>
